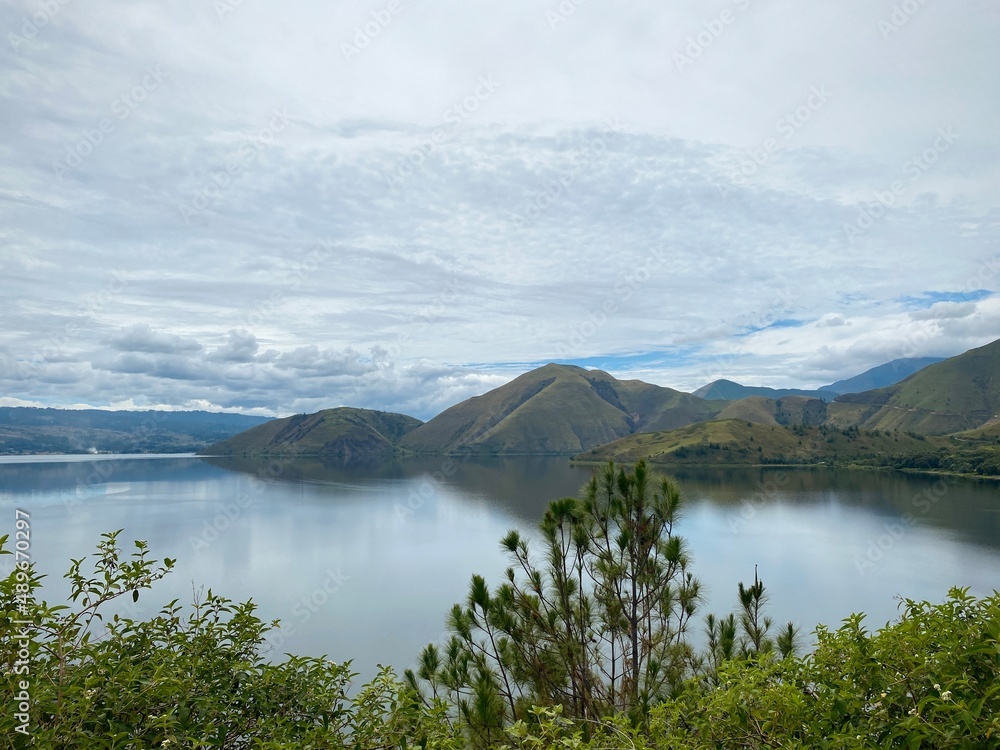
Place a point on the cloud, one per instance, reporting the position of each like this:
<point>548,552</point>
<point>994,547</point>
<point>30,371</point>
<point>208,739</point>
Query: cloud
<point>242,346</point>
<point>225,209</point>
<point>941,310</point>
<point>142,338</point>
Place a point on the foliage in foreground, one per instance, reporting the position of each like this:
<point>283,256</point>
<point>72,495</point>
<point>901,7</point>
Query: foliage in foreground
<point>196,678</point>
<point>596,623</point>
<point>176,680</point>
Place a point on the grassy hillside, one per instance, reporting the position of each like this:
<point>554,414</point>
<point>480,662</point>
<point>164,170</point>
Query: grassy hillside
<point>957,394</point>
<point>732,441</point>
<point>558,409</point>
<point>792,410</point>
<point>345,431</point>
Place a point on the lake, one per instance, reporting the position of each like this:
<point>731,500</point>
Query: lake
<point>363,563</point>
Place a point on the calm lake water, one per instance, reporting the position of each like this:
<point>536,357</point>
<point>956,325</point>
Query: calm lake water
<point>363,563</point>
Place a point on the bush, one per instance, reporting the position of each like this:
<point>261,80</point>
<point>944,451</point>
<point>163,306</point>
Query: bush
<point>928,681</point>
<point>177,680</point>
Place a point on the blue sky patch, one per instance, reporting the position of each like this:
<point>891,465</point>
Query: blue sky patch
<point>927,299</point>
<point>782,323</point>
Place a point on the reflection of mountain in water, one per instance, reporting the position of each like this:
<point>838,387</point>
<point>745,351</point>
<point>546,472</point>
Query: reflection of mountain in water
<point>524,485</point>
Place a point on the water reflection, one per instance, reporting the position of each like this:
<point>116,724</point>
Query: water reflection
<point>400,539</point>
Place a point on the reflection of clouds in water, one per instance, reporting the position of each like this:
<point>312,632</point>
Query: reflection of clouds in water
<point>399,579</point>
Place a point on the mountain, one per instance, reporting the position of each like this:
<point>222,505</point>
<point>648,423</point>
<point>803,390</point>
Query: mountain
<point>791,410</point>
<point>346,432</point>
<point>877,377</point>
<point>40,430</point>
<point>727,390</point>
<point>557,409</point>
<point>882,376</point>
<point>957,394</point>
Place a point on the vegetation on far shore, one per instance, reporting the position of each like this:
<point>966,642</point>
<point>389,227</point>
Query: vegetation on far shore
<point>734,442</point>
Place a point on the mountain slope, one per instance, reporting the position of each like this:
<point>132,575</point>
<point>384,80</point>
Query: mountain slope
<point>556,409</point>
<point>882,376</point>
<point>735,441</point>
<point>344,431</point>
<point>727,390</point>
<point>791,410</point>
<point>957,394</point>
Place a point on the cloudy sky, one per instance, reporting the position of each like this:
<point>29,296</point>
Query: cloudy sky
<point>398,204</point>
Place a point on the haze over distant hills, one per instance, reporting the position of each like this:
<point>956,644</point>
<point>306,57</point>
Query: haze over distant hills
<point>877,377</point>
<point>34,430</point>
<point>728,390</point>
<point>882,376</point>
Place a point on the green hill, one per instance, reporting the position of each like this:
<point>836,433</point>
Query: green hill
<point>957,394</point>
<point>557,409</point>
<point>733,441</point>
<point>346,432</point>
<point>791,410</point>
<point>727,390</point>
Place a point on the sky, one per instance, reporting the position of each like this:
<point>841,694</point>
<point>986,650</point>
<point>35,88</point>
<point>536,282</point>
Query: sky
<point>276,208</point>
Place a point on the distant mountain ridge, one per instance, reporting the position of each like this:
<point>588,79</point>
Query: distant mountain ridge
<point>957,394</point>
<point>566,410</point>
<point>877,377</point>
<point>728,390</point>
<point>25,429</point>
<point>555,409</point>
<point>882,376</point>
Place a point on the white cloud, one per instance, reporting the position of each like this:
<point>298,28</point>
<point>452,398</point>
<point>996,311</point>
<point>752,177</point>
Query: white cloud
<point>263,224</point>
